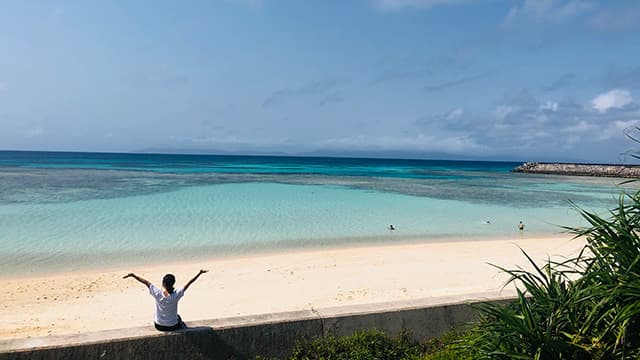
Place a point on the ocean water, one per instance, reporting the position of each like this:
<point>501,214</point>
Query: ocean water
<point>70,211</point>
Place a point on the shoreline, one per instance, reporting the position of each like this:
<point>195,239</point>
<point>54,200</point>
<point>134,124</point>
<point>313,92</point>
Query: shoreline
<point>211,254</point>
<point>87,301</point>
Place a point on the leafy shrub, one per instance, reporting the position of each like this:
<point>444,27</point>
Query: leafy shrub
<point>375,345</point>
<point>595,316</point>
<point>587,307</point>
<point>448,347</point>
<point>365,345</point>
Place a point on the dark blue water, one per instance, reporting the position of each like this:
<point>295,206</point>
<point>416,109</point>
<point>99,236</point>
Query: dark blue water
<point>178,163</point>
<point>67,176</point>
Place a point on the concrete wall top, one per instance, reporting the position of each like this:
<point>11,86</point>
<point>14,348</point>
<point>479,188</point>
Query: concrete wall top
<point>247,336</point>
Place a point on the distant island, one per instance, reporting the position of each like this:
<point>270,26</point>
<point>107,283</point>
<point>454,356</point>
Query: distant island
<point>608,170</point>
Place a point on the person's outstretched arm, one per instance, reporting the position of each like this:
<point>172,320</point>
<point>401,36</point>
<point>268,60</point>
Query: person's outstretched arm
<point>142,280</point>
<point>195,278</point>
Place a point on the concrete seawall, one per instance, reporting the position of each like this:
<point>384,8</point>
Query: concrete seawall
<point>247,337</point>
<point>622,171</point>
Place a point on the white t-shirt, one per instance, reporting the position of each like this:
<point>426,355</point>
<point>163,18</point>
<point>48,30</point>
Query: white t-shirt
<point>166,307</point>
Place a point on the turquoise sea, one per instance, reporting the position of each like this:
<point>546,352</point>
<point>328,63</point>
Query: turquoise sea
<point>70,211</point>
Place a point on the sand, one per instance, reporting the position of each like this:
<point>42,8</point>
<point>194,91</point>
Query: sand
<point>76,302</point>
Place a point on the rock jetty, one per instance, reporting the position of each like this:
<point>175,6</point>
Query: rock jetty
<point>622,171</point>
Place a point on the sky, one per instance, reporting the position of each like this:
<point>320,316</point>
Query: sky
<point>525,80</point>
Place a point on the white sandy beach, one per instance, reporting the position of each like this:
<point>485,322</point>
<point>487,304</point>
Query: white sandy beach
<point>100,300</point>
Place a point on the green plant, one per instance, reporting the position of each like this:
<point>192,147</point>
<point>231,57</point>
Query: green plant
<point>374,344</point>
<point>587,307</point>
<point>448,347</point>
<point>611,270</point>
<point>363,345</point>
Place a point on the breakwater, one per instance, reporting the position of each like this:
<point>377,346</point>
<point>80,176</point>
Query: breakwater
<point>622,171</point>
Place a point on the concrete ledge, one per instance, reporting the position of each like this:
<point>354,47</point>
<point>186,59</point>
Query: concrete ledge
<point>246,337</point>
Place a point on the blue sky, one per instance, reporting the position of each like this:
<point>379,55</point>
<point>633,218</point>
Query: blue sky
<point>486,79</point>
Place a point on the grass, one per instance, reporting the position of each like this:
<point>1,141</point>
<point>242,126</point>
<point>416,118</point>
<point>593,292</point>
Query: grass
<point>373,344</point>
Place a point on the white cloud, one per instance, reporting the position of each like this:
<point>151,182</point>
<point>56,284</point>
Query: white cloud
<point>550,106</point>
<point>623,125</point>
<point>572,8</point>
<point>522,124</point>
<point>454,114</point>
<point>539,118</point>
<point>613,99</point>
<point>548,10</point>
<point>621,18</point>
<point>424,4</point>
<point>581,127</point>
<point>502,111</point>
<point>617,129</point>
<point>420,142</point>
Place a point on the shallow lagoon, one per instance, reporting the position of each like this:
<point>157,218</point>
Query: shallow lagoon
<point>68,211</point>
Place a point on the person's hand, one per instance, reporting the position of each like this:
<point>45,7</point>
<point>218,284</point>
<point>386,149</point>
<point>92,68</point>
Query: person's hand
<point>128,275</point>
<point>202,271</point>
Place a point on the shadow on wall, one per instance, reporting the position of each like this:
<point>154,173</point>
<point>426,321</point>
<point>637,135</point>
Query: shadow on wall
<point>245,337</point>
<point>200,342</point>
<point>206,343</point>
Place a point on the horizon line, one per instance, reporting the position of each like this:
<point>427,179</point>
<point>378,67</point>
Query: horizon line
<point>187,152</point>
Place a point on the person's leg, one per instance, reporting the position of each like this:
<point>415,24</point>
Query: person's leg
<point>162,327</point>
<point>178,325</point>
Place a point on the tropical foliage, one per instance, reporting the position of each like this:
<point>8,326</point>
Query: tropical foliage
<point>587,307</point>
<point>374,344</point>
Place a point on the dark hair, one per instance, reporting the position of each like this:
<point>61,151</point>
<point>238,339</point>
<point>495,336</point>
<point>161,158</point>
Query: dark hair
<point>168,281</point>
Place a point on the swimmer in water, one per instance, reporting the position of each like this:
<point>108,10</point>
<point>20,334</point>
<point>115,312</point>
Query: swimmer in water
<point>391,227</point>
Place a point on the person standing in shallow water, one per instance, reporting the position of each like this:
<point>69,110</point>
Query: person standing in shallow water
<point>521,226</point>
<point>166,316</point>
